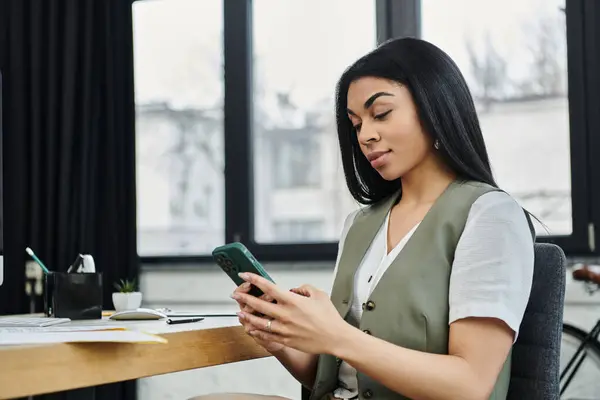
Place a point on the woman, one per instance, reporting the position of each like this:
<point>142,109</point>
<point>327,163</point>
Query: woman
<point>433,277</point>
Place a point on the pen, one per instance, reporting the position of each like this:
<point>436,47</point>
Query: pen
<point>183,320</point>
<point>37,260</point>
<point>75,264</point>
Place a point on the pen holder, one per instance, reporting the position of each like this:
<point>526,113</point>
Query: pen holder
<point>74,296</point>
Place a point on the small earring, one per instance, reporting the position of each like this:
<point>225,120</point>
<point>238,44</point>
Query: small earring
<point>436,144</point>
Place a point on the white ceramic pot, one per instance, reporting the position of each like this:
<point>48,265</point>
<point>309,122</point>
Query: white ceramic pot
<point>126,301</point>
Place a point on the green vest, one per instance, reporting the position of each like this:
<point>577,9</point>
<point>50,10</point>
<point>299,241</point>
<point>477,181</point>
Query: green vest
<point>409,305</point>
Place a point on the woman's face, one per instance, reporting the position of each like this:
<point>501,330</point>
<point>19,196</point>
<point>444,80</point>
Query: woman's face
<point>387,125</point>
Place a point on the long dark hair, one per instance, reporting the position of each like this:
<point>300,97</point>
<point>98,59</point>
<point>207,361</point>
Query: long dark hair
<point>444,106</point>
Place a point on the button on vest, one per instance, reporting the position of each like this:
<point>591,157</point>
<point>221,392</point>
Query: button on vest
<point>369,305</point>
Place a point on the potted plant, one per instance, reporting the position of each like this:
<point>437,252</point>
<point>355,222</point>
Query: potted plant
<point>127,297</point>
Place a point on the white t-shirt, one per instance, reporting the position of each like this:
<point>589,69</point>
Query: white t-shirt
<point>491,274</point>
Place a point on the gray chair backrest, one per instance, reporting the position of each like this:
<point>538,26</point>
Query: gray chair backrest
<point>535,369</point>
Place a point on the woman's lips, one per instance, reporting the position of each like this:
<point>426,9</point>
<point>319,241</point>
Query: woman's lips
<point>378,158</point>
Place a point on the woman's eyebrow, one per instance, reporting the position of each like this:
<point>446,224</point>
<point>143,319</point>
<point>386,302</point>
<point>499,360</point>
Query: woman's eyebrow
<point>370,101</point>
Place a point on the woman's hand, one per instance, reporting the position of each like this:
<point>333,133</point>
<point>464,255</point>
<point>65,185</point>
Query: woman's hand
<point>303,318</point>
<point>271,347</point>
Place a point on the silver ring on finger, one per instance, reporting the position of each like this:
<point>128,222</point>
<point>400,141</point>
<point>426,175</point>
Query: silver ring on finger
<point>268,325</point>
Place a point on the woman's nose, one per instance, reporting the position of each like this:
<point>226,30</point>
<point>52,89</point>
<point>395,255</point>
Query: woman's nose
<point>368,134</point>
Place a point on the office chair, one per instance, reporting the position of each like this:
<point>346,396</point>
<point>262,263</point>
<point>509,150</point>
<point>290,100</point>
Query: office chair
<point>535,373</point>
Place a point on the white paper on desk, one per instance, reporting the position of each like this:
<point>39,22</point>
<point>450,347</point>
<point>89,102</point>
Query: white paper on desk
<point>70,326</point>
<point>19,338</point>
<point>64,328</point>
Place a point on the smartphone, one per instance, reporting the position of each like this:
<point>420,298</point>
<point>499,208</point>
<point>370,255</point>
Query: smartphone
<point>234,258</point>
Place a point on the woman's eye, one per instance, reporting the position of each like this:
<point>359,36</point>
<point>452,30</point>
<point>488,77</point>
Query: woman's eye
<point>357,127</point>
<point>382,115</point>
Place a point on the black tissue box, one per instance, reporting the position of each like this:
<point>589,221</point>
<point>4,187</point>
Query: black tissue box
<point>74,296</point>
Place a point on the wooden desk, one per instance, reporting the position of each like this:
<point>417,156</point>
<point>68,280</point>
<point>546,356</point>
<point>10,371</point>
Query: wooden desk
<point>32,370</point>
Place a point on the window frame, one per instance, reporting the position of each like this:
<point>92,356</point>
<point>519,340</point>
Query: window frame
<point>588,13</point>
<point>582,239</point>
<point>396,18</point>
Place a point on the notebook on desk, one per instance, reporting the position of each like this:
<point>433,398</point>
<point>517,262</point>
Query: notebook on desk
<point>30,322</point>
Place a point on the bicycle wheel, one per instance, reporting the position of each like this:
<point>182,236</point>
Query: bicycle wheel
<point>585,383</point>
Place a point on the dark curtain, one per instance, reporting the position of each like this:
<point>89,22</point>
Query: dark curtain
<point>69,145</point>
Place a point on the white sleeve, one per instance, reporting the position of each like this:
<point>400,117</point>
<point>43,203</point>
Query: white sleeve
<point>492,271</point>
<point>347,224</point>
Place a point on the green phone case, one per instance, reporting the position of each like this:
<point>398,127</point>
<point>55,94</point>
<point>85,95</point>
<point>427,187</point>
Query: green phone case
<point>234,258</point>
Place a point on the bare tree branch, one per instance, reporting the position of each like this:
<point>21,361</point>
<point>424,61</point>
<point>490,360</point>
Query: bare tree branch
<point>547,47</point>
<point>488,70</point>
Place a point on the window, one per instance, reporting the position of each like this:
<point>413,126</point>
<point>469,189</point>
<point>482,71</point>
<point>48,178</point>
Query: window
<point>252,154</point>
<point>513,55</point>
<point>294,134</point>
<point>297,231</point>
<point>179,102</point>
<point>296,159</point>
